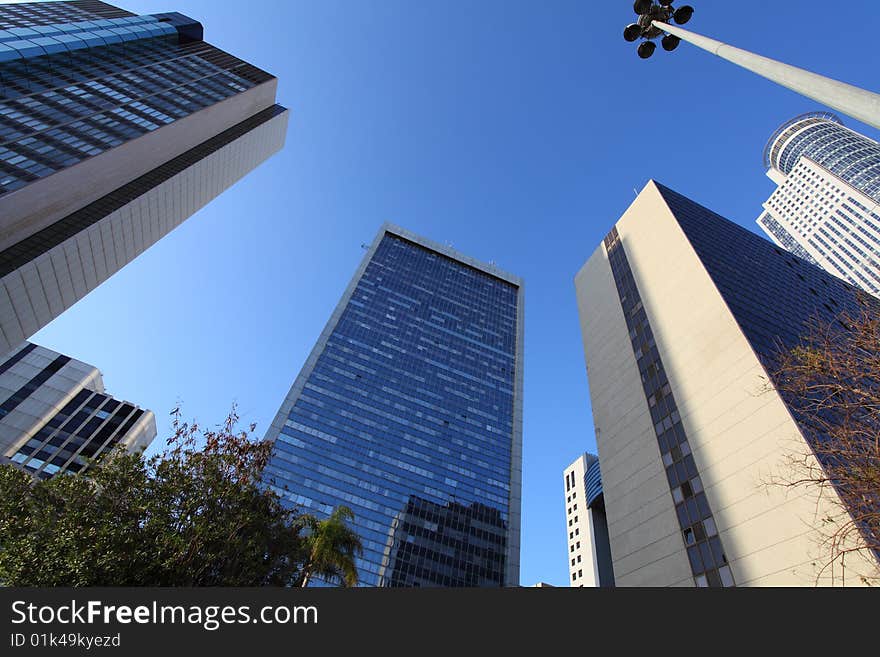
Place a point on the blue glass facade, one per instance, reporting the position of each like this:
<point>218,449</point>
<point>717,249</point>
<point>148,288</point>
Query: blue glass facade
<point>114,128</point>
<point>593,481</point>
<point>601,543</point>
<point>409,412</point>
<point>786,239</point>
<point>79,78</point>
<point>821,137</point>
<point>774,296</point>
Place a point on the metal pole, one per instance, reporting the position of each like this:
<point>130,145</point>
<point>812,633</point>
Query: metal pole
<point>845,98</point>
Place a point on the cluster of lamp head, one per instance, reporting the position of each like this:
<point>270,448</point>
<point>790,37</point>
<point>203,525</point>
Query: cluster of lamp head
<point>662,12</point>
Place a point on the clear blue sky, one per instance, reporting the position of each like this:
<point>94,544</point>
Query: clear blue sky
<point>515,130</point>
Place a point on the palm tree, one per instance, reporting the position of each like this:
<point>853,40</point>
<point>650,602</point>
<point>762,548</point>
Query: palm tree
<point>331,549</point>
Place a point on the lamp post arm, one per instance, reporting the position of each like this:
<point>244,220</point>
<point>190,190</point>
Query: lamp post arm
<point>845,98</point>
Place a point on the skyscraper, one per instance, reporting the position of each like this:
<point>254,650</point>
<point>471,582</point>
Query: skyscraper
<point>683,314</point>
<point>589,552</point>
<point>409,411</point>
<point>114,128</point>
<point>55,416</point>
<point>826,208</point>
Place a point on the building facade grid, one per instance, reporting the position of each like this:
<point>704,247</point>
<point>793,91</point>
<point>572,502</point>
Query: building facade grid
<point>825,208</point>
<point>95,89</point>
<point>407,412</point>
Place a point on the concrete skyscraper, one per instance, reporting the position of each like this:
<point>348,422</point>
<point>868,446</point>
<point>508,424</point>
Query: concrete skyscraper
<point>683,314</point>
<point>589,552</point>
<point>409,411</point>
<point>114,128</point>
<point>55,416</point>
<point>826,208</point>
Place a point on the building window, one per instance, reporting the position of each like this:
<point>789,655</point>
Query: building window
<point>691,505</point>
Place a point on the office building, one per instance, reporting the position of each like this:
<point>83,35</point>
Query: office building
<point>114,128</point>
<point>409,412</point>
<point>589,553</point>
<point>826,207</point>
<point>445,533</point>
<point>683,314</point>
<point>56,417</point>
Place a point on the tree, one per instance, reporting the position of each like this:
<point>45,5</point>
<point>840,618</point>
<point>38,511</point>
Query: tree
<point>331,549</point>
<point>832,382</point>
<point>191,516</point>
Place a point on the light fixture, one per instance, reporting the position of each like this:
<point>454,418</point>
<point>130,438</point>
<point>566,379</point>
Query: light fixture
<point>645,27</point>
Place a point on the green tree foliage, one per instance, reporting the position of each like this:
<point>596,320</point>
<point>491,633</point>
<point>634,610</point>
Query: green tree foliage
<point>195,515</point>
<point>331,549</point>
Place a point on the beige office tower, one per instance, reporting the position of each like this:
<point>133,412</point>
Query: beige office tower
<point>114,128</point>
<point>682,313</point>
<point>56,417</point>
<point>588,553</point>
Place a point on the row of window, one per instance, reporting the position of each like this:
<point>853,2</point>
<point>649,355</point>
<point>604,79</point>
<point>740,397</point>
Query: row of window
<point>58,110</point>
<point>391,475</point>
<point>848,155</point>
<point>39,243</point>
<point>33,14</point>
<point>691,505</point>
<point>345,418</point>
<point>27,42</point>
<point>88,426</point>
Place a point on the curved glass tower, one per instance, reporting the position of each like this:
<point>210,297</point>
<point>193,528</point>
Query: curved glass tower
<point>825,208</point>
<point>822,137</point>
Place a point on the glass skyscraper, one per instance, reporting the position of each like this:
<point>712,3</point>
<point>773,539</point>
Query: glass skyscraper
<point>114,128</point>
<point>684,315</point>
<point>826,208</point>
<point>409,411</point>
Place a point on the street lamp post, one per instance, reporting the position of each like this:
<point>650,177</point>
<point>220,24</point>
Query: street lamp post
<point>845,98</point>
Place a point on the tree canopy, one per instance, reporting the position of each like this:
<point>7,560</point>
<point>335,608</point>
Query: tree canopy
<point>195,515</point>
